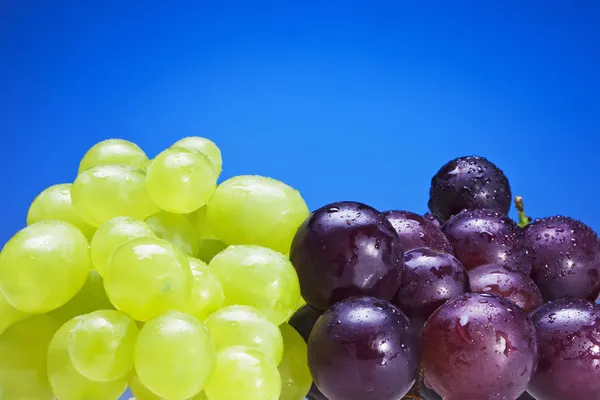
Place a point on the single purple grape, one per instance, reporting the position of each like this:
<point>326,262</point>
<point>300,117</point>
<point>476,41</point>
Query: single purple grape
<point>568,333</point>
<point>415,231</point>
<point>566,258</point>
<point>346,249</point>
<point>433,219</point>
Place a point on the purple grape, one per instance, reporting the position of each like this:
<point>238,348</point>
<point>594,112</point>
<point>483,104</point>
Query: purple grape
<point>515,286</point>
<point>415,231</point>
<point>482,237</point>
<point>346,249</point>
<point>568,332</point>
<point>304,319</point>
<point>430,279</point>
<point>478,346</point>
<point>468,183</point>
<point>566,258</point>
<point>433,219</point>
<point>363,348</point>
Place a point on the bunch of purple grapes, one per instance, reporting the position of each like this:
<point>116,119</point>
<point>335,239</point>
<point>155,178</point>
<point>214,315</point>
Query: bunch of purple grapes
<point>462,303</point>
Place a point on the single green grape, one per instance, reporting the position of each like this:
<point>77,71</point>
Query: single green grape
<point>242,373</point>
<point>66,382</point>
<point>111,235</point>
<point>174,356</point>
<point>293,368</point>
<point>104,192</point>
<point>259,277</point>
<point>207,292</point>
<point>43,266</point>
<point>180,181</point>
<point>176,229</point>
<point>204,146</point>
<point>209,248</point>
<point>256,210</point>
<point>141,392</point>
<point>54,203</point>
<point>114,151</point>
<point>101,345</point>
<point>148,276</point>
<point>9,315</point>
<point>23,349</point>
<point>245,326</point>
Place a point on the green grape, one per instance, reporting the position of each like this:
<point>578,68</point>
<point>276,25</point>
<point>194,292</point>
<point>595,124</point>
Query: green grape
<point>180,181</point>
<point>207,292</point>
<point>104,192</point>
<point>9,315</point>
<point>256,210</point>
<point>66,382</point>
<point>259,277</point>
<point>23,349</point>
<point>148,276</point>
<point>43,266</point>
<point>209,248</point>
<point>54,203</point>
<point>204,146</point>
<point>245,326</point>
<point>177,229</point>
<point>141,392</point>
<point>114,151</point>
<point>200,222</point>
<point>111,235</point>
<point>174,356</point>
<point>293,368</point>
<point>101,345</point>
<point>242,373</point>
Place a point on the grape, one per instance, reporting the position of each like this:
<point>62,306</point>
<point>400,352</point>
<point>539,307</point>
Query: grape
<point>347,249</point>
<point>114,151</point>
<point>242,373</point>
<point>256,210</point>
<point>515,286</point>
<point>174,355</point>
<point>148,276</point>
<point>54,203</point>
<point>245,326</point>
<point>141,392</point>
<point>478,346</point>
<point>259,277</point>
<point>204,146</point>
<point>566,258</point>
<point>363,348</point>
<point>8,314</point>
<point>293,368</point>
<point>415,231</point>
<point>43,266</point>
<point>207,292</point>
<point>209,248</point>
<point>180,181</point>
<point>468,183</point>
<point>66,382</point>
<point>104,192</point>
<point>430,279</point>
<point>200,222</point>
<point>177,229</point>
<point>304,319</point>
<point>111,235</point>
<point>487,237</point>
<point>433,219</point>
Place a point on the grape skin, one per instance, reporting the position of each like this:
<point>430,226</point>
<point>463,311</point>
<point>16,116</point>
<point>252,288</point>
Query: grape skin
<point>114,151</point>
<point>293,368</point>
<point>204,146</point>
<point>207,295</point>
<point>416,231</point>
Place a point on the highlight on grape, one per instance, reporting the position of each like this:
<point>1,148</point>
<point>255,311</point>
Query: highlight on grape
<point>156,275</point>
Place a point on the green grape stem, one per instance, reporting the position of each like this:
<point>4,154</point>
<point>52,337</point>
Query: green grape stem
<point>524,220</point>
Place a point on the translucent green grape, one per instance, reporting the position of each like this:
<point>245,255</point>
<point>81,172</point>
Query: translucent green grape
<point>177,229</point>
<point>141,392</point>
<point>54,203</point>
<point>245,326</point>
<point>256,210</point>
<point>180,181</point>
<point>204,146</point>
<point>114,151</point>
<point>207,292</point>
<point>200,222</point>
<point>209,248</point>
<point>43,266</point>
<point>111,235</point>
<point>174,356</point>
<point>9,315</point>
<point>259,277</point>
<point>242,373</point>
<point>148,276</point>
<point>104,192</point>
<point>293,368</point>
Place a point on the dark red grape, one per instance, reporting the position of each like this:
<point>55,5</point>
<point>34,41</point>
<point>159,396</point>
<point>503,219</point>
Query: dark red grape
<point>566,258</point>
<point>304,319</point>
<point>515,286</point>
<point>346,249</point>
<point>432,218</point>
<point>363,348</point>
<point>482,237</point>
<point>468,183</point>
<point>430,279</point>
<point>478,347</point>
<point>415,231</point>
<point>568,332</point>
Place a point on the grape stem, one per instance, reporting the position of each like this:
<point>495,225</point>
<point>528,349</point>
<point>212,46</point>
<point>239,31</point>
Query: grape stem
<point>414,393</point>
<point>524,220</point>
